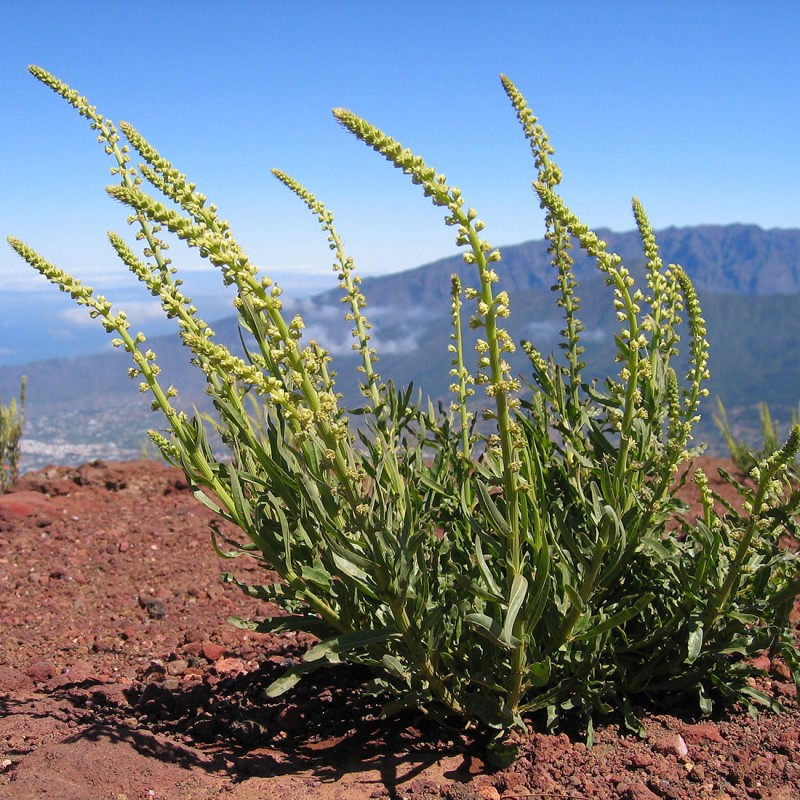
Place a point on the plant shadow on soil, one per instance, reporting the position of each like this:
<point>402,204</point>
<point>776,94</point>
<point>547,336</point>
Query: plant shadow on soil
<point>326,726</point>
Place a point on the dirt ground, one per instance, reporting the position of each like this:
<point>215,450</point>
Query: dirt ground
<point>120,679</point>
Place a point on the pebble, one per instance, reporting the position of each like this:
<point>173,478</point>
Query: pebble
<point>177,667</point>
<point>762,662</point>
<point>641,760</point>
<point>212,651</point>
<point>790,740</point>
<point>671,746</point>
<point>695,734</point>
<point>40,671</point>
<point>639,791</point>
<point>154,608</point>
<point>230,665</point>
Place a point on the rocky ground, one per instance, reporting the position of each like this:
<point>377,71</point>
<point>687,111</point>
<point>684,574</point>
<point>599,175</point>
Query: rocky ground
<point>121,680</point>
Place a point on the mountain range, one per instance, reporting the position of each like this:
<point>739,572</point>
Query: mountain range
<point>748,280</point>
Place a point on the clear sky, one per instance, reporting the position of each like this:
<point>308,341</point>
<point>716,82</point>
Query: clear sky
<point>692,106</point>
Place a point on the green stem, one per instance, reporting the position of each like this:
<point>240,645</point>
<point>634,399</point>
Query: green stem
<point>422,661</point>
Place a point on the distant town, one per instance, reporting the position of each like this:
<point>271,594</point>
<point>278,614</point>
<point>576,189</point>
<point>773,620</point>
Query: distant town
<point>72,439</point>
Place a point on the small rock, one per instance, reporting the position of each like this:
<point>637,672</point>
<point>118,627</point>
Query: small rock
<point>698,773</point>
<point>203,729</point>
<point>177,667</point>
<point>665,788</point>
<point>762,662</point>
<point>156,669</point>
<point>695,734</point>
<point>671,746</point>
<point>455,791</point>
<point>41,671</point>
<point>110,694</point>
<point>641,760</point>
<point>789,740</point>
<point>246,731</point>
<point>488,793</point>
<point>780,670</point>
<point>230,665</point>
<point>79,671</point>
<point>638,791</point>
<point>212,651</point>
<point>154,608</point>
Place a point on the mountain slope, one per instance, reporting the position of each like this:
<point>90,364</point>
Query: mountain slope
<point>734,259</point>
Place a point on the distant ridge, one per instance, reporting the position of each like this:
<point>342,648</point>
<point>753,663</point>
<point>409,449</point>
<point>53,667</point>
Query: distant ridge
<point>748,280</point>
<point>734,259</point>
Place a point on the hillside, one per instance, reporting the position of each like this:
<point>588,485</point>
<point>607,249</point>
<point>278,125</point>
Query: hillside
<point>748,280</point>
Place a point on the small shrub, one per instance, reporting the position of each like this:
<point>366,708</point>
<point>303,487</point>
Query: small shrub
<point>514,553</point>
<point>12,418</point>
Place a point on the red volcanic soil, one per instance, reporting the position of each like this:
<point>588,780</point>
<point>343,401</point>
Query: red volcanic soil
<point>121,680</point>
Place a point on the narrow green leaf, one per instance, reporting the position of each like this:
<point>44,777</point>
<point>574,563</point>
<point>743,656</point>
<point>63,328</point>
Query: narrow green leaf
<point>541,591</point>
<point>486,573</point>
<point>291,678</point>
<point>317,576</point>
<point>496,518</point>
<point>519,589</point>
<point>704,701</point>
<point>356,575</point>
<point>291,622</point>
<point>762,698</point>
<point>475,588</point>
<point>538,672</point>
<point>491,630</point>
<point>487,709</point>
<point>695,644</point>
<point>426,480</point>
<point>395,668</point>
<point>331,648</point>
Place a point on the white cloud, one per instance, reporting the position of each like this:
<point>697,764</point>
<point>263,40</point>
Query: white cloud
<point>341,342</point>
<point>138,311</point>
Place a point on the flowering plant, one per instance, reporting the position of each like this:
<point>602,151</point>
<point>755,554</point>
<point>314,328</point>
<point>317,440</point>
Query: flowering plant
<point>520,552</point>
<point>12,419</point>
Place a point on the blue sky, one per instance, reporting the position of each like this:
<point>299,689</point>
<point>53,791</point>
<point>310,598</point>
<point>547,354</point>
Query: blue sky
<point>692,106</point>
